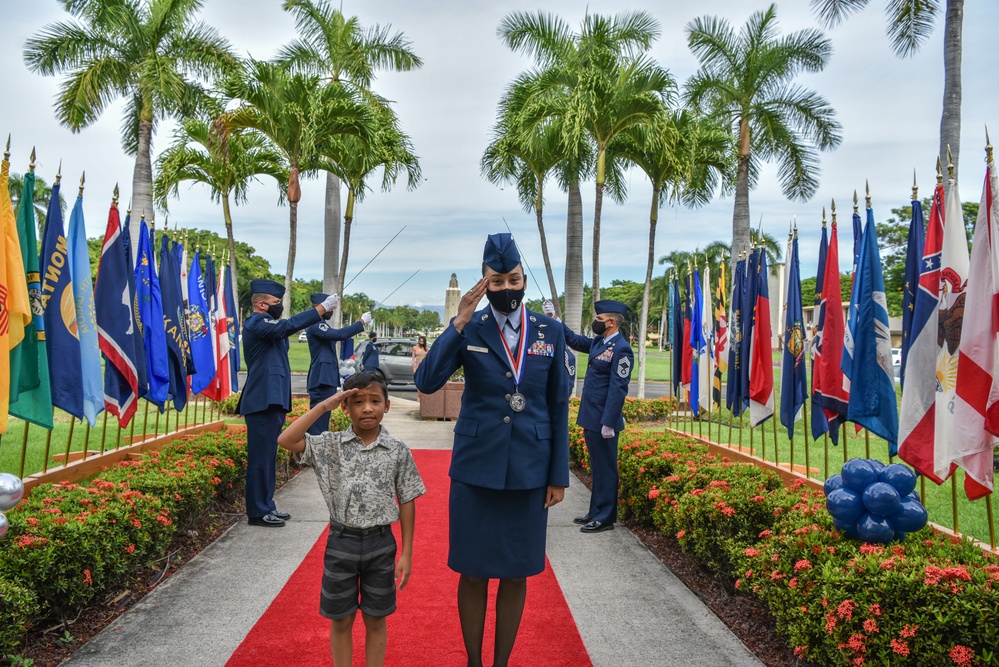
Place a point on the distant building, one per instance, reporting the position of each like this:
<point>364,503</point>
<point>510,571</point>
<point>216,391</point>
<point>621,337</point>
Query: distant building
<point>451,299</point>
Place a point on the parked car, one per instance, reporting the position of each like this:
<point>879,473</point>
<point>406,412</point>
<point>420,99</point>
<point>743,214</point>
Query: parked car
<point>395,360</point>
<point>896,355</point>
<point>897,370</point>
<point>302,337</point>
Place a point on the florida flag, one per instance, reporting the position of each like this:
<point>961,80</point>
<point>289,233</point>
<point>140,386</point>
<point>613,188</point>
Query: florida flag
<point>976,407</point>
<point>761,360</point>
<point>930,439</point>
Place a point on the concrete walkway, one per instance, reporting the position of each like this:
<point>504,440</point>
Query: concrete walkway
<point>630,609</point>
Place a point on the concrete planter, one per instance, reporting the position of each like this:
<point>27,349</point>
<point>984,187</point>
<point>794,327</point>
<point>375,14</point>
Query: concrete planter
<point>443,404</point>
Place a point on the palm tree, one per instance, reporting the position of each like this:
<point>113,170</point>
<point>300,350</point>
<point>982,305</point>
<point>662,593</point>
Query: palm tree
<point>353,159</point>
<point>596,81</point>
<point>685,157</point>
<point>909,26</point>
<point>226,163</point>
<point>338,48</point>
<point>42,195</point>
<point>746,81</point>
<point>149,52</point>
<point>296,113</point>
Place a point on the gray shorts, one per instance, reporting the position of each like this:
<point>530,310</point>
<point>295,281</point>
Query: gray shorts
<point>358,572</point>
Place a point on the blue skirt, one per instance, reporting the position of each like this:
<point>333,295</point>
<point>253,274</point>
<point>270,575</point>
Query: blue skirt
<point>496,534</point>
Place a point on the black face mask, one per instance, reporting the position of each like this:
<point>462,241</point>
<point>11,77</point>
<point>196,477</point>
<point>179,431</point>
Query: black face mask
<point>275,310</point>
<point>328,315</point>
<point>598,327</point>
<point>506,300</point>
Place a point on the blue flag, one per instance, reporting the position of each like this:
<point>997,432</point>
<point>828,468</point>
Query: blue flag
<point>697,343</point>
<point>734,387</point>
<point>792,373</point>
<point>86,325</point>
<point>750,285</point>
<point>913,257</point>
<point>858,234</point>
<point>116,325</point>
<point>672,304</point>
<point>174,324</point>
<point>139,354</point>
<point>147,286</point>
<point>198,329</point>
<point>867,353</point>
<point>59,307</point>
<point>820,424</point>
<point>233,313</point>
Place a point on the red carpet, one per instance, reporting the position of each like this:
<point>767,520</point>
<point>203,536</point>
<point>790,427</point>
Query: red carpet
<point>424,630</point>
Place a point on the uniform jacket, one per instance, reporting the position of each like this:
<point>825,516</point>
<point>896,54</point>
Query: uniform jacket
<point>265,348</point>
<point>495,447</point>
<point>324,367</point>
<point>608,372</point>
<point>369,360</point>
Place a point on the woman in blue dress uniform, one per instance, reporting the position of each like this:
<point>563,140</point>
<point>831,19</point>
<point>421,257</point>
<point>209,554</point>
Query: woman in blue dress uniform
<point>510,460</point>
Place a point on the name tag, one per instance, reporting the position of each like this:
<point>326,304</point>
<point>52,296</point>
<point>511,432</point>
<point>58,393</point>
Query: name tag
<point>542,349</point>
<point>476,348</point>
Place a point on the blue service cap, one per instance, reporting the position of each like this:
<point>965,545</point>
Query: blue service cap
<point>501,254</point>
<point>318,298</point>
<point>262,286</point>
<point>610,306</point>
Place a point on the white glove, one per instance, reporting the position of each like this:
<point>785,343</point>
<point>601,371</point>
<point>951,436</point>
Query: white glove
<point>331,303</point>
<point>366,319</point>
<point>606,432</point>
<point>548,308</point>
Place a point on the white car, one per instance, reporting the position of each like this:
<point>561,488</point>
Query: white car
<point>303,337</point>
<point>896,356</point>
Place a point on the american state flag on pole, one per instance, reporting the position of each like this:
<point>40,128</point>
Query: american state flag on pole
<point>220,386</point>
<point>15,309</point>
<point>794,389</point>
<point>917,422</point>
<point>914,253</point>
<point>697,345</point>
<point>734,391</point>
<point>976,405</point>
<point>706,352</point>
<point>721,335</point>
<point>820,424</point>
<point>687,359</point>
<point>761,364</point>
<point>828,388</point>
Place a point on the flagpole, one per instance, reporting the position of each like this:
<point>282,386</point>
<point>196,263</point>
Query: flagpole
<point>867,442</point>
<point>48,441</point>
<point>104,430</point>
<point>804,429</point>
<point>156,425</point>
<point>953,498</point>
<point>24,447</point>
<point>992,523</point>
<point>69,440</point>
<point>166,418</point>
<point>825,449</point>
<point>145,422</point>
<point>845,455</point>
<point>131,431</point>
<point>86,440</point>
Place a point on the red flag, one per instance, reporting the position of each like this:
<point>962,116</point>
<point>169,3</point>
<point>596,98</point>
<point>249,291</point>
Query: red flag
<point>688,351</point>
<point>976,407</point>
<point>827,377</point>
<point>761,361</point>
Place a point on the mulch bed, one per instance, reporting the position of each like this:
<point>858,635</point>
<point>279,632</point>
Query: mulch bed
<point>748,619</point>
<point>48,644</point>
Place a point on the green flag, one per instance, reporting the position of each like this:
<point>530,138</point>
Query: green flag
<point>30,391</point>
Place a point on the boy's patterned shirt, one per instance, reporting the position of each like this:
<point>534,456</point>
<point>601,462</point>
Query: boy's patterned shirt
<point>361,482</point>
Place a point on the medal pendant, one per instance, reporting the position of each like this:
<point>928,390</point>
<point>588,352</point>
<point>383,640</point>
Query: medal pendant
<point>517,402</point>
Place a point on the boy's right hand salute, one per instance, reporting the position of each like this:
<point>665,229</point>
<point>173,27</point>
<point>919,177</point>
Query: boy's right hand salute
<point>293,437</point>
<point>336,399</point>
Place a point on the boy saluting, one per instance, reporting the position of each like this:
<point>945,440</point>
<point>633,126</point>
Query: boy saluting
<point>362,471</point>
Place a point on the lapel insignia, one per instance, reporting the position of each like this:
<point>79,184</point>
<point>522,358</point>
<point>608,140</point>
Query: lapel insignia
<point>533,318</point>
<point>541,335</point>
<point>541,326</point>
<point>485,317</point>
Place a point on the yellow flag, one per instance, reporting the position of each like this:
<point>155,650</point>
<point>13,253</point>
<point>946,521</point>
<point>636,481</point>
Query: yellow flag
<point>15,311</point>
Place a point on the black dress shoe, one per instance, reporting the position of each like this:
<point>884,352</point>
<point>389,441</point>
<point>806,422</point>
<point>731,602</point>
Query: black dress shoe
<point>582,519</point>
<point>596,527</point>
<point>267,520</point>
<point>281,515</point>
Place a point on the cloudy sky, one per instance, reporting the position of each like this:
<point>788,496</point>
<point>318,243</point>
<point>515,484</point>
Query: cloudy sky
<point>889,109</point>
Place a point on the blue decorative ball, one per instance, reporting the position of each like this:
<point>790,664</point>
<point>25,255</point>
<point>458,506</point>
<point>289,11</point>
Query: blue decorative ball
<point>875,529</point>
<point>911,515</point>
<point>858,474</point>
<point>915,496</point>
<point>846,505</point>
<point>881,499</point>
<point>848,528</point>
<point>877,465</point>
<point>833,483</point>
<point>900,476</point>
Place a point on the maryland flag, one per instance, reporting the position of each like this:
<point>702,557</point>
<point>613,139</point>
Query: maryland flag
<point>15,312</point>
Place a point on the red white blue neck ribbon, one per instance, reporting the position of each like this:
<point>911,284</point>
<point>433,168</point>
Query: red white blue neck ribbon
<point>517,365</point>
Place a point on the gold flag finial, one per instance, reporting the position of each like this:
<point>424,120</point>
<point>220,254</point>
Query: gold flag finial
<point>142,215</point>
<point>856,207</point>
<point>867,194</point>
<point>31,166</point>
<point>823,216</point>
<point>950,164</point>
<point>83,179</point>
<point>988,147</point>
<point>833,211</point>
<point>6,152</point>
<point>915,188</point>
<point>114,197</point>
<point>59,174</point>
<point>939,172</point>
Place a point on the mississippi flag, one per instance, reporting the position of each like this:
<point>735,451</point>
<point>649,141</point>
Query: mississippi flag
<point>917,422</point>
<point>828,388</point>
<point>976,408</point>
<point>761,363</point>
<point>116,327</point>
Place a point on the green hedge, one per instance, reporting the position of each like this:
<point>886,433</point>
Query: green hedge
<point>69,544</point>
<point>927,601</point>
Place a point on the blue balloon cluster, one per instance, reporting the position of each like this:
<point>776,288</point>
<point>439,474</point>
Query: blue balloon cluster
<point>875,502</point>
